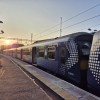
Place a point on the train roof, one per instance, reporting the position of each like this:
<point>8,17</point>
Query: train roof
<point>69,35</point>
<point>54,41</point>
<point>9,49</point>
<point>60,39</point>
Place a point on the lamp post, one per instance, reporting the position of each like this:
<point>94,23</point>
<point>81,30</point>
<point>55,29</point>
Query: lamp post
<point>1,21</point>
<point>31,38</point>
<point>60,26</point>
<point>1,33</point>
<point>1,30</point>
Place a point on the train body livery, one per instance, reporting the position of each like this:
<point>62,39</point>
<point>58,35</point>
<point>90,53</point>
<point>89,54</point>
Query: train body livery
<point>67,56</point>
<point>93,75</point>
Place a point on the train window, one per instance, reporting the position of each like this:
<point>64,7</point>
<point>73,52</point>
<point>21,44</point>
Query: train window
<point>51,52</point>
<point>18,51</point>
<point>85,50</point>
<point>63,55</point>
<point>85,47</point>
<point>30,51</point>
<point>27,51</point>
<point>41,51</point>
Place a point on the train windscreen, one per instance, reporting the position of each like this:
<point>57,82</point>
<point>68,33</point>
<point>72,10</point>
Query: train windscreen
<point>85,47</point>
<point>84,44</point>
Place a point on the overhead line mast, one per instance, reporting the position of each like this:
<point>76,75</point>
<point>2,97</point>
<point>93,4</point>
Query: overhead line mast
<point>60,26</point>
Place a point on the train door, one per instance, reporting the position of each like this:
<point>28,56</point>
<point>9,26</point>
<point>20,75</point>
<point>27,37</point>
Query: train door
<point>21,54</point>
<point>34,55</point>
<point>84,58</point>
<point>84,46</point>
<point>83,70</point>
<point>62,60</point>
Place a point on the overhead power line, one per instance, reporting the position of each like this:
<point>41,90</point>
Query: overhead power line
<point>95,25</point>
<point>74,24</point>
<point>81,13</point>
<point>91,26</point>
<point>82,21</point>
<point>69,19</point>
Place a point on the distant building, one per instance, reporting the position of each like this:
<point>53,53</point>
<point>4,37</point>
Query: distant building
<point>16,45</point>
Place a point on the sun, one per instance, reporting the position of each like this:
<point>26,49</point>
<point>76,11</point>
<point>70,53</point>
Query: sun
<point>7,42</point>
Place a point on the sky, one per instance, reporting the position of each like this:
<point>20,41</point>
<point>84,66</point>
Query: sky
<point>21,18</point>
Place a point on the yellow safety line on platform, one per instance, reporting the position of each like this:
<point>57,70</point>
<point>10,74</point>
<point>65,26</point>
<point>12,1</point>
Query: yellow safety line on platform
<point>2,71</point>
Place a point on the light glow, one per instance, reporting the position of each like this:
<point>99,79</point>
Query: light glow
<point>7,42</point>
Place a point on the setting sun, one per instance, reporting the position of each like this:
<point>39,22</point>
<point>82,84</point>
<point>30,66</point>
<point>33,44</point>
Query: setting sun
<point>7,42</point>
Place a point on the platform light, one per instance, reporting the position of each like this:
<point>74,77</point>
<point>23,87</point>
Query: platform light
<point>2,32</point>
<point>1,21</point>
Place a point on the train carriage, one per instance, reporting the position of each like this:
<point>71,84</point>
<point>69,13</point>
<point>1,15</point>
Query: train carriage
<point>13,51</point>
<point>10,52</point>
<point>94,65</point>
<point>27,54</point>
<point>65,55</point>
<point>19,53</point>
<point>6,51</point>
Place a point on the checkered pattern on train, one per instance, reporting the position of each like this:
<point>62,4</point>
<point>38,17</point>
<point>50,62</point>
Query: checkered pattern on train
<point>72,54</point>
<point>94,61</point>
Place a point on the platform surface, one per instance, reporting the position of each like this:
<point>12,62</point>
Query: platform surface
<point>15,85</point>
<point>64,89</point>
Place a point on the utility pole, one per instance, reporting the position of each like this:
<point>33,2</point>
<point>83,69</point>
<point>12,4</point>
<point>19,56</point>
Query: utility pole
<point>60,26</point>
<point>31,38</point>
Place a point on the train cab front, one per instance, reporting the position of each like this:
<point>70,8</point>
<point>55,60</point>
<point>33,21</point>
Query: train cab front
<point>84,46</point>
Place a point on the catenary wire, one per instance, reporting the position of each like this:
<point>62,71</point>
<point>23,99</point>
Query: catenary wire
<point>91,26</point>
<point>69,19</point>
<point>73,25</point>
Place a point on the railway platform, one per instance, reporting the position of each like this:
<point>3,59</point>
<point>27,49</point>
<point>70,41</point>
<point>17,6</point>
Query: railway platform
<point>52,88</point>
<point>15,85</point>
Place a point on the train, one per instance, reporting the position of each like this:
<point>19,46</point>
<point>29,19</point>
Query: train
<point>67,56</point>
<point>93,74</point>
